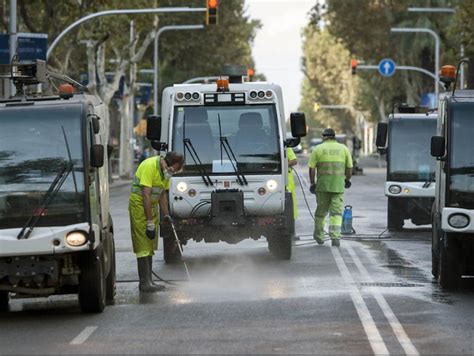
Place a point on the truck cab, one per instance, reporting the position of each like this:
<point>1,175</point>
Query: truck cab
<point>234,182</point>
<point>453,210</point>
<point>410,185</point>
<point>56,233</point>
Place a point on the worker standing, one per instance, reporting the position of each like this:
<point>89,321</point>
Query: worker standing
<point>291,182</point>
<point>333,163</point>
<point>149,189</point>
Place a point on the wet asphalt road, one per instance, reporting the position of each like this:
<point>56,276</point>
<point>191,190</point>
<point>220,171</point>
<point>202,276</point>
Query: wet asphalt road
<point>374,294</point>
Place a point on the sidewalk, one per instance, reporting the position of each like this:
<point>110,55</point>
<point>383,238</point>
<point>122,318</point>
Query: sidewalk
<point>118,182</point>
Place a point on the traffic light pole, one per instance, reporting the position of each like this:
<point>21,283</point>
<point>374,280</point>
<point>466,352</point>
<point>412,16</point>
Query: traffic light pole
<point>158,10</point>
<point>156,62</point>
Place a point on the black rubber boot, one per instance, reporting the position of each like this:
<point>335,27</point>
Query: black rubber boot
<point>144,275</point>
<point>150,264</point>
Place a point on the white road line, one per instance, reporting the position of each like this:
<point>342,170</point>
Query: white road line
<point>371,330</point>
<point>83,335</point>
<point>397,327</point>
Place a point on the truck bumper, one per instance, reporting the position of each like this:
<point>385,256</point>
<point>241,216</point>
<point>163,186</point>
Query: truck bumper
<point>42,241</point>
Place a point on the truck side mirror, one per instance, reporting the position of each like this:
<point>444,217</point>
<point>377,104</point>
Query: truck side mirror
<point>298,124</point>
<point>438,146</point>
<point>153,128</point>
<point>97,156</point>
<point>292,142</point>
<point>381,139</point>
<point>95,124</point>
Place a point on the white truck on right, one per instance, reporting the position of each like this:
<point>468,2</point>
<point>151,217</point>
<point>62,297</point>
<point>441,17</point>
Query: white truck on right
<point>453,209</point>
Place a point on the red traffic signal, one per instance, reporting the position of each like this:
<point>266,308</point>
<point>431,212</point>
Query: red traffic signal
<point>211,14</point>
<point>354,63</point>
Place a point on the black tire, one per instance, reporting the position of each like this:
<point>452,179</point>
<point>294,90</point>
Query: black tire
<point>281,247</point>
<point>449,269</point>
<point>92,292</point>
<point>394,218</point>
<point>171,253</point>
<point>4,299</point>
<point>110,282</point>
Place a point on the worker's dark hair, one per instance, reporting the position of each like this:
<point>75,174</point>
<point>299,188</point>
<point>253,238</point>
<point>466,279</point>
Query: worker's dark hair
<point>173,158</point>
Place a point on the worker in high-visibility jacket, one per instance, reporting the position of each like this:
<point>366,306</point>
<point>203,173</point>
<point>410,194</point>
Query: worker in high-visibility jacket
<point>332,162</point>
<point>291,182</point>
<point>149,189</point>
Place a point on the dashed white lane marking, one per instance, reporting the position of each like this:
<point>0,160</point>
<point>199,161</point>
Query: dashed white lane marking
<point>83,335</point>
<point>397,327</point>
<point>373,335</point>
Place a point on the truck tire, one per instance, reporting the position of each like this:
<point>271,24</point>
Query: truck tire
<point>449,264</point>
<point>110,282</point>
<point>280,247</point>
<point>394,218</point>
<point>171,253</point>
<point>92,292</point>
<point>4,299</point>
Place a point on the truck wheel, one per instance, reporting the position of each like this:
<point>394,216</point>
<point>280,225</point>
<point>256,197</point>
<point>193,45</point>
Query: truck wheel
<point>110,282</point>
<point>171,253</point>
<point>449,266</point>
<point>280,247</point>
<point>4,298</point>
<point>92,283</point>
<point>394,218</point>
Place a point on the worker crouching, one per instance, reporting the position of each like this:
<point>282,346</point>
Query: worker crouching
<point>333,163</point>
<point>149,196</point>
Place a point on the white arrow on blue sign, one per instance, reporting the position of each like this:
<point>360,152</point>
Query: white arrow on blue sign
<point>387,67</point>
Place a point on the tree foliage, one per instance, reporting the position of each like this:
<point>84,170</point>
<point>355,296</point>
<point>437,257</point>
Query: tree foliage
<point>362,29</point>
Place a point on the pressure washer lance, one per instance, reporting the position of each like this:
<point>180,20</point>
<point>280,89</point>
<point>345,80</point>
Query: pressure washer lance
<point>180,249</point>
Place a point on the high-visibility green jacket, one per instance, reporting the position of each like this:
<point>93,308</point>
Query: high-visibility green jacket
<point>331,159</point>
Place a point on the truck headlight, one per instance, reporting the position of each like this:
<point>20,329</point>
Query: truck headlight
<point>394,189</point>
<point>458,221</point>
<point>182,187</point>
<point>76,238</point>
<point>272,185</point>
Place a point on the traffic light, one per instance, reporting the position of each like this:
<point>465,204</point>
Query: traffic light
<point>211,14</point>
<point>316,107</point>
<point>354,63</point>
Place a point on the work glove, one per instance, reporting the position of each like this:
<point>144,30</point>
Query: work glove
<point>347,184</point>
<point>312,188</point>
<point>150,229</point>
<point>168,219</point>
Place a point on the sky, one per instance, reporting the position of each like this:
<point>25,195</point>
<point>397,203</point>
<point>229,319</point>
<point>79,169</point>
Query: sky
<point>277,49</point>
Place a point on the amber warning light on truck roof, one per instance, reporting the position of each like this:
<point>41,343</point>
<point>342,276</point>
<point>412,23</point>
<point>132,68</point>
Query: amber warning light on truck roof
<point>447,75</point>
<point>222,84</point>
<point>66,91</point>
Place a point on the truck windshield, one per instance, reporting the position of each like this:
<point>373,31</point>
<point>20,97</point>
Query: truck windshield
<point>32,152</point>
<point>251,130</point>
<point>462,155</point>
<point>409,149</point>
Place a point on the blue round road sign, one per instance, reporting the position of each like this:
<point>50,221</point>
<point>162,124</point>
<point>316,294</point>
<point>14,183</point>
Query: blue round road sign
<point>387,67</point>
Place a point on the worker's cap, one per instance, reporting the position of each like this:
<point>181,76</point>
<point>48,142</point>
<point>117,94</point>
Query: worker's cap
<point>329,133</point>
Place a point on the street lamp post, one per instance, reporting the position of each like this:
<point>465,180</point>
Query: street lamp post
<point>437,45</point>
<point>157,10</point>
<point>441,10</point>
<point>156,63</point>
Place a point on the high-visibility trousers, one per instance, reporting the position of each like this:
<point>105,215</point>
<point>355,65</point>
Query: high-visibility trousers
<point>332,203</point>
<point>292,189</point>
<point>142,245</point>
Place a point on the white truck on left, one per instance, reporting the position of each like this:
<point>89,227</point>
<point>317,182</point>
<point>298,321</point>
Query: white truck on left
<point>56,233</point>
